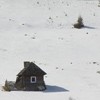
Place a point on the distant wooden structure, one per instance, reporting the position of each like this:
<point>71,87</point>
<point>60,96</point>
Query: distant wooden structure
<point>30,78</point>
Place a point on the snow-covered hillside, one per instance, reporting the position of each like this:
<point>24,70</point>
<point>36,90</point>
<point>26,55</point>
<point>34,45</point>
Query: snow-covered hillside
<point>42,31</point>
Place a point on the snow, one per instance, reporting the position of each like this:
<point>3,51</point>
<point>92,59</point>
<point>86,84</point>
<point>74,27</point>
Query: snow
<point>42,31</point>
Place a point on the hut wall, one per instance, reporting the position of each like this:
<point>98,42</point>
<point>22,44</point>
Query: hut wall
<point>20,84</point>
<point>34,86</point>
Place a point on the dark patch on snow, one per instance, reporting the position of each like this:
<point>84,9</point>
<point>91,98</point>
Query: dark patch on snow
<point>98,72</point>
<point>33,37</point>
<point>56,67</point>
<point>1,49</point>
<point>87,33</point>
<point>94,62</point>
<point>37,2</point>
<point>71,63</point>
<point>25,34</point>
<point>62,69</point>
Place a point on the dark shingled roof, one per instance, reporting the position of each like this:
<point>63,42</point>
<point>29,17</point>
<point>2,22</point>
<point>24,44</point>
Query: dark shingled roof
<point>32,69</point>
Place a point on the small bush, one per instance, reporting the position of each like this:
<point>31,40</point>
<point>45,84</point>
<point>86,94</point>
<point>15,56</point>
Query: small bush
<point>79,23</point>
<point>6,86</point>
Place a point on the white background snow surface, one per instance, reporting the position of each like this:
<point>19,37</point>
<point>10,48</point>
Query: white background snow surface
<point>42,31</point>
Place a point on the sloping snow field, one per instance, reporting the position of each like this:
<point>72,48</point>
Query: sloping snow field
<point>42,31</point>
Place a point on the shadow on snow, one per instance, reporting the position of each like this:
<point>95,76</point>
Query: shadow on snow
<point>89,27</point>
<point>55,89</point>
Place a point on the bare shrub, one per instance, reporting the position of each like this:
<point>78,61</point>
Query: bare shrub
<point>6,86</point>
<point>79,23</point>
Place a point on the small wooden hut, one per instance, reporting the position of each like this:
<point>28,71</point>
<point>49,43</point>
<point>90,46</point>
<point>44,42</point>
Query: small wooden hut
<point>30,78</point>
